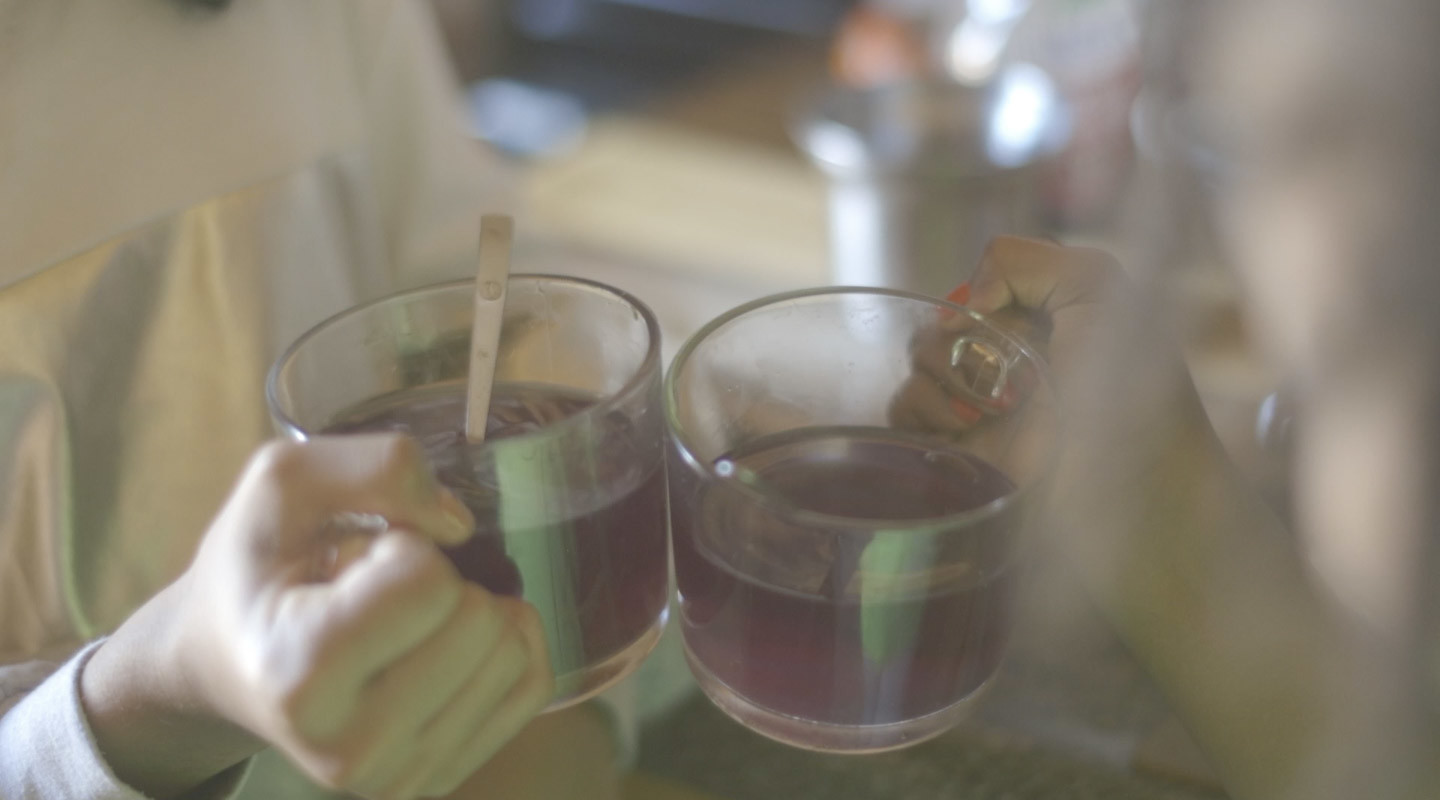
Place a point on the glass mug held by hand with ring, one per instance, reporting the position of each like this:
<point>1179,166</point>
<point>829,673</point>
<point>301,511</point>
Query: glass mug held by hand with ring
<point>851,475</point>
<point>568,487</point>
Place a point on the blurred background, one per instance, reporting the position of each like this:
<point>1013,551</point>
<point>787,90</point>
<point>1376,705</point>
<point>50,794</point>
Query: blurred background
<point>757,145</point>
<point>726,149</point>
<point>701,153</point>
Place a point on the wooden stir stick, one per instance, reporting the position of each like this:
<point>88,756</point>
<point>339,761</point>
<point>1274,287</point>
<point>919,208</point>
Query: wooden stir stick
<point>497,231</point>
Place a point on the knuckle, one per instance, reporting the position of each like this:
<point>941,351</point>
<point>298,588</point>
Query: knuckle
<point>349,763</point>
<point>292,698</point>
<point>480,620</point>
<point>1005,249</point>
<point>432,570</point>
<point>509,649</point>
<point>278,459</point>
<point>1100,264</point>
<point>296,701</point>
<point>510,659</point>
<point>427,576</point>
<point>539,690</point>
<point>281,675</point>
<point>476,600</point>
<point>299,689</point>
<point>337,773</point>
<point>416,559</point>
<point>399,452</point>
<point>477,607</point>
<point>527,618</point>
<point>997,246</point>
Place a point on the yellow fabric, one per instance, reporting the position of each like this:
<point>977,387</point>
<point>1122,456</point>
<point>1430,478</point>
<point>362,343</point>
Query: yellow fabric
<point>167,105</point>
<point>142,371</point>
<point>211,185</point>
<point>182,193</point>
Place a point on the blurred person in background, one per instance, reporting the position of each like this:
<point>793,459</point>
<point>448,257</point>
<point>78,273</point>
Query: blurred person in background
<point>186,186</point>
<point>1307,662</point>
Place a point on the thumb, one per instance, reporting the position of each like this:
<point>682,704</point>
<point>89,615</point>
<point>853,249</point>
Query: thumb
<point>1041,276</point>
<point>1019,272</point>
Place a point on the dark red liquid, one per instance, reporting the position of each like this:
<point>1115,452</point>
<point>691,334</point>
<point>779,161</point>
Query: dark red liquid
<point>840,626</point>
<point>579,534</point>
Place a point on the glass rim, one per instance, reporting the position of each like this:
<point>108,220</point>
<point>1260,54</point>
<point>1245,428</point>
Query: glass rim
<point>804,516</point>
<point>633,384</point>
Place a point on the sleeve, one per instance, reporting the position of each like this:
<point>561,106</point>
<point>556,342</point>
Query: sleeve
<point>48,748</point>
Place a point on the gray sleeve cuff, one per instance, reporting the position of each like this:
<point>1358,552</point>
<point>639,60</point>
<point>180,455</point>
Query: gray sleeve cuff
<point>50,751</point>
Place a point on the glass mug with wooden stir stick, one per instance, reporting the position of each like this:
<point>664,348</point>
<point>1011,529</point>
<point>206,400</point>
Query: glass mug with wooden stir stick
<point>567,487</point>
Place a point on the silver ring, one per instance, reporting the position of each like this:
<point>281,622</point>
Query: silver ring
<point>990,354</point>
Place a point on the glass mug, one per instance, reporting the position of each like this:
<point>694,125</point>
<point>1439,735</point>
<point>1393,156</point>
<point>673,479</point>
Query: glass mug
<point>847,577</point>
<point>568,489</point>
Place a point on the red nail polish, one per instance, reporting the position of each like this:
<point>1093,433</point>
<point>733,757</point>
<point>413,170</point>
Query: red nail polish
<point>1009,396</point>
<point>967,413</point>
<point>961,295</point>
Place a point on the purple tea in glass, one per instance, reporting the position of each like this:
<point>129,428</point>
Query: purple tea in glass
<point>846,583</point>
<point>568,489</point>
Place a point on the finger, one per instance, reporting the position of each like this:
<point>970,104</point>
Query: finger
<point>392,469</point>
<point>427,678</point>
<point>902,413</point>
<point>399,702</point>
<point>960,295</point>
<point>451,731</point>
<point>526,697</point>
<point>384,474</point>
<point>929,408</point>
<point>957,382</point>
<point>532,630</point>
<point>336,636</point>
<point>1032,327</point>
<point>393,767</point>
<point>526,700</point>
<point>1038,275</point>
<point>931,356</point>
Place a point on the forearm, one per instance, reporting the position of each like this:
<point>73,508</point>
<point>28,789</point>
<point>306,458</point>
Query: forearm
<point>145,715</point>
<point>1203,583</point>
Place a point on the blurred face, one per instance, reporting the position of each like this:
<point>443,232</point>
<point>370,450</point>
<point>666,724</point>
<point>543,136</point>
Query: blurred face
<point>1327,216</point>
<point>1312,186</point>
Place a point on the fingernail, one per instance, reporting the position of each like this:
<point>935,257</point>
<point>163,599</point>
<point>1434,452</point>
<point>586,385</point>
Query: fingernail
<point>967,413</point>
<point>960,296</point>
